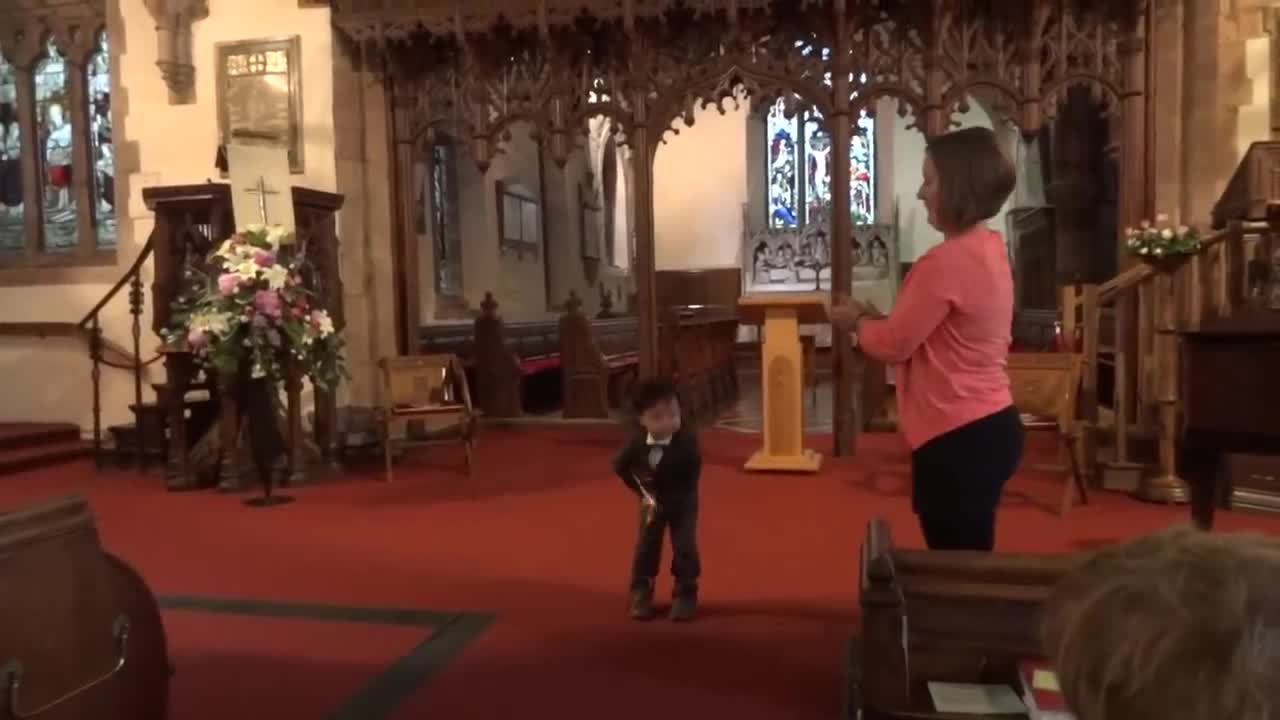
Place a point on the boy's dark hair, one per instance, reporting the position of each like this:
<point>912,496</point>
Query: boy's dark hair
<point>653,391</point>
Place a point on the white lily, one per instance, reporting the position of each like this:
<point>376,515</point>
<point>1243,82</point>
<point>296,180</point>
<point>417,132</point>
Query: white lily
<point>275,276</point>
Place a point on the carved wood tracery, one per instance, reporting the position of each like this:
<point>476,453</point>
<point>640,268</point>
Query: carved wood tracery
<point>476,68</point>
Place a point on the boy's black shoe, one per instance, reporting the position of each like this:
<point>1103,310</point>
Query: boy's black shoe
<point>642,601</point>
<point>684,606</point>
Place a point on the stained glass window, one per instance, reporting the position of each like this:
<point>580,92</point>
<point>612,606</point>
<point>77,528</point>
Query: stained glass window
<point>448,248</point>
<point>57,168</point>
<point>104,174</point>
<point>52,96</point>
<point>784,180</point>
<point>10,160</point>
<point>862,167</point>
<point>800,163</point>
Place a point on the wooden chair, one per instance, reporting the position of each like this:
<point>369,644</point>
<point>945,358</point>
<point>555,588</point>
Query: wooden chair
<point>1044,388</point>
<point>427,388</point>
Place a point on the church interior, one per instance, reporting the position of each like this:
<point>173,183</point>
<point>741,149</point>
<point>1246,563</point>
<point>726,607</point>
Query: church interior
<point>479,227</point>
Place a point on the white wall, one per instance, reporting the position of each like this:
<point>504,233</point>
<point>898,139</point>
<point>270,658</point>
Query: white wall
<point>914,233</point>
<point>699,188</point>
<point>1253,124</point>
<point>49,380</point>
<point>702,178</point>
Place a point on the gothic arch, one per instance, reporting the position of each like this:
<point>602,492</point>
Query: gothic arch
<point>1104,90</point>
<point>721,82</point>
<point>991,94</point>
<point>643,64</point>
<point>909,103</point>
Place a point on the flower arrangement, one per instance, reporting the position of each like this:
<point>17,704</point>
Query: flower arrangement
<point>1154,241</point>
<point>250,303</point>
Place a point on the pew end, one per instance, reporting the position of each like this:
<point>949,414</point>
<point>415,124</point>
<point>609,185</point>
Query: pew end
<point>600,361</point>
<point>81,635</point>
<point>943,616</point>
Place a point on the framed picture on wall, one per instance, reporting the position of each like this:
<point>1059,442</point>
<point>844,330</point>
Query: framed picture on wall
<point>259,94</point>
<point>519,220</point>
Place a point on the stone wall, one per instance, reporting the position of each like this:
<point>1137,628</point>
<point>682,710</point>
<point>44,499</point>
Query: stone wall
<point>1203,94</point>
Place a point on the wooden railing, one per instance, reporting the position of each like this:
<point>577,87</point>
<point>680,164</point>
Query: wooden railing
<point>1148,306</point>
<point>91,323</point>
<point>103,352</point>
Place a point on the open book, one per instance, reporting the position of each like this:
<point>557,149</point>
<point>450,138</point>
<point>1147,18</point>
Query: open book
<point>972,699</point>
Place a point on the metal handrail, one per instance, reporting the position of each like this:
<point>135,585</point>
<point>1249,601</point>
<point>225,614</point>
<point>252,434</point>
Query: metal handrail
<point>15,671</point>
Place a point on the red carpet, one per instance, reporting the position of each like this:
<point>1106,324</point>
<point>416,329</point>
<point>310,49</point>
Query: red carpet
<point>228,664</point>
<point>541,538</point>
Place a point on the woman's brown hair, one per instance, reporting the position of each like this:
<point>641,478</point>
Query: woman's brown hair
<point>1179,625</point>
<point>975,176</point>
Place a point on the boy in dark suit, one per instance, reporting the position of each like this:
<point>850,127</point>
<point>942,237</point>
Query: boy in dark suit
<point>661,464</point>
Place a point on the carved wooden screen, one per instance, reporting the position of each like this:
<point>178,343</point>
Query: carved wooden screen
<point>57,167</point>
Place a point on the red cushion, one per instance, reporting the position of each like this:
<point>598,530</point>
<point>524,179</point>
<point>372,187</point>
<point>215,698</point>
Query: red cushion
<point>532,365</point>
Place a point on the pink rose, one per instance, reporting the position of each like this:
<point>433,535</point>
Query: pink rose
<point>228,284</point>
<point>197,339</point>
<point>267,302</point>
<point>264,258</point>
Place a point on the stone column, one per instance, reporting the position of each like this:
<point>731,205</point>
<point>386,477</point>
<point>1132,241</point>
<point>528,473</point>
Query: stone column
<point>362,154</point>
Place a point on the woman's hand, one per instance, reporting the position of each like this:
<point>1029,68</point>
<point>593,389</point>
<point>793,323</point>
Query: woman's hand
<point>849,312</point>
<point>844,316</point>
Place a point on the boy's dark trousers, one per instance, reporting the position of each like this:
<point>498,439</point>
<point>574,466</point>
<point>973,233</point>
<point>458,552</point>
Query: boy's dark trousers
<point>679,515</point>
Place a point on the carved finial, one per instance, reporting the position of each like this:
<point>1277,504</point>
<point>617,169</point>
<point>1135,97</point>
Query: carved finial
<point>574,303</point>
<point>173,35</point>
<point>489,306</point>
<point>544,27</point>
<point>482,152</point>
<point>606,302</point>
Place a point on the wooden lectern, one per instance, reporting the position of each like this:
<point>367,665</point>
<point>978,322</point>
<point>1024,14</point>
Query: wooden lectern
<point>782,376</point>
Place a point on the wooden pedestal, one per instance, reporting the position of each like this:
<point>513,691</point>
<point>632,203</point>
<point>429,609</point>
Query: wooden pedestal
<point>782,378</point>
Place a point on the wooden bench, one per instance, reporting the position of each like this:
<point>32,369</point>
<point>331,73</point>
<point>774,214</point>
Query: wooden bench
<point>599,358</point>
<point>945,616</point>
<point>79,628</point>
<point>697,350</point>
<point>456,339</point>
<point>505,356</point>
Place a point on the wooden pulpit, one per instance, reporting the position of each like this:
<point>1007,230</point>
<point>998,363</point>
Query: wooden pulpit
<point>779,316</point>
<point>190,220</point>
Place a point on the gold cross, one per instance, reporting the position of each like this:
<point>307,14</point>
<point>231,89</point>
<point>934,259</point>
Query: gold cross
<point>262,192</point>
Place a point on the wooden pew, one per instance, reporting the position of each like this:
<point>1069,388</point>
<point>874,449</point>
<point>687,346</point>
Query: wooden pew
<point>456,339</point>
<point>80,631</point>
<point>948,616</point>
<point>599,360</point>
<point>506,355</point>
<point>696,350</point>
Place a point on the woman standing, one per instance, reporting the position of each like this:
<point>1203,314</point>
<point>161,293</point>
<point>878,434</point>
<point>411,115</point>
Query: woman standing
<point>948,337</point>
